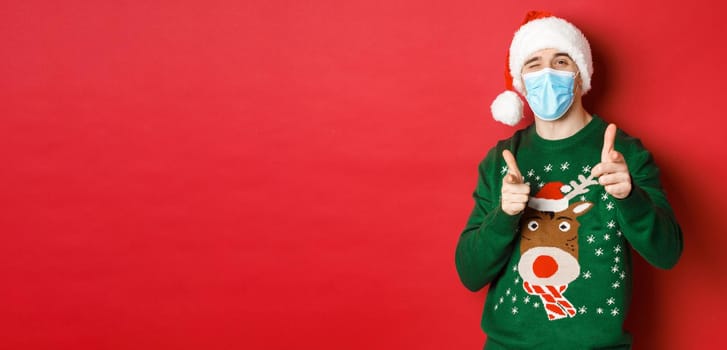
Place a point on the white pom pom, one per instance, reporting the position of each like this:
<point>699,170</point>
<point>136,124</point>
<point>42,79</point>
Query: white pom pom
<point>507,108</point>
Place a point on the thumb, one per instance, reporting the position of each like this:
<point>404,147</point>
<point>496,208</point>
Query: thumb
<point>512,167</point>
<point>609,139</point>
<point>512,179</point>
<point>616,157</point>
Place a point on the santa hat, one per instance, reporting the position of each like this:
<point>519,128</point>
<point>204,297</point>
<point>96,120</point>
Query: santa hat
<point>550,197</point>
<point>540,30</point>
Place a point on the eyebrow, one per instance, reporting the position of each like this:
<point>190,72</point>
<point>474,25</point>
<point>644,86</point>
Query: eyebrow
<point>531,60</point>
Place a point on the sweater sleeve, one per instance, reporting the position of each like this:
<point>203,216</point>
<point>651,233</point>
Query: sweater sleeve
<point>645,216</point>
<point>486,243</point>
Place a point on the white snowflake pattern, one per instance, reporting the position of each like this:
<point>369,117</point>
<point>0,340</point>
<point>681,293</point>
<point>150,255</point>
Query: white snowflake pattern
<point>531,173</point>
<point>617,249</point>
<point>583,198</point>
<point>599,311</point>
<point>502,300</point>
<point>548,168</point>
<point>508,291</point>
<point>582,310</point>
<point>537,178</point>
<point>514,268</point>
<point>610,301</point>
<point>614,268</point>
<point>564,166</point>
<point>517,280</point>
<point>619,233</point>
<point>606,237</point>
<point>587,274</point>
<point>622,275</point>
<point>503,171</point>
<point>586,169</point>
<point>526,300</point>
<point>615,285</point>
<point>514,310</point>
<point>514,298</point>
<point>536,305</point>
<point>617,259</point>
<point>541,184</point>
<point>496,306</point>
<point>615,312</point>
<point>611,224</point>
<point>609,206</point>
<point>604,196</point>
<point>591,239</point>
<point>599,251</point>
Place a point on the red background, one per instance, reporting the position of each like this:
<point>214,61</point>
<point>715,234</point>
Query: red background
<point>295,174</point>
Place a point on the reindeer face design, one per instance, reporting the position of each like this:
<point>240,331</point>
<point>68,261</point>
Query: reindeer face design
<point>549,244</point>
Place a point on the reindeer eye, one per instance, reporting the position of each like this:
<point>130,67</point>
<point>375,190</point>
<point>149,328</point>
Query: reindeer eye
<point>564,226</point>
<point>533,225</point>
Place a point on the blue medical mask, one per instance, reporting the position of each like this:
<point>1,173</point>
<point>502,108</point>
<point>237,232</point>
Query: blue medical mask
<point>549,92</point>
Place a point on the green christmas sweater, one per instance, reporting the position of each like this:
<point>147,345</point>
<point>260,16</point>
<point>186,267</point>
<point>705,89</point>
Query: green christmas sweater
<point>560,273</point>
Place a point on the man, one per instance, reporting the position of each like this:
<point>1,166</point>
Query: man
<point>559,205</point>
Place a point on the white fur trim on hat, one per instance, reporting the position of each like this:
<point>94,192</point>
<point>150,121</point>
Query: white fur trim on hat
<point>550,33</point>
<point>552,205</point>
<point>507,108</point>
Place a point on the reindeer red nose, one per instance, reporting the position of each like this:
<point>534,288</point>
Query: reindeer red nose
<point>545,266</point>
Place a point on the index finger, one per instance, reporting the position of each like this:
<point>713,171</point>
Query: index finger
<point>511,164</point>
<point>609,139</point>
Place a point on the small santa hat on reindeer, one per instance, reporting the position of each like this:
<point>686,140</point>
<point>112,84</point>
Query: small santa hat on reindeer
<point>551,197</point>
<point>540,30</point>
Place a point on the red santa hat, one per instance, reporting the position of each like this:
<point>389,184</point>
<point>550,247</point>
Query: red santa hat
<point>551,197</point>
<point>540,30</point>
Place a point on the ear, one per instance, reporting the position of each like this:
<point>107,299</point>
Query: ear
<point>580,208</point>
<point>579,84</point>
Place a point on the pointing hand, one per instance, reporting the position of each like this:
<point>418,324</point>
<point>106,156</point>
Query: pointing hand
<point>612,172</point>
<point>515,193</point>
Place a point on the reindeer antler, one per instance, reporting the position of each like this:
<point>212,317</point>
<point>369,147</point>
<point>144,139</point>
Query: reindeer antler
<point>580,188</point>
